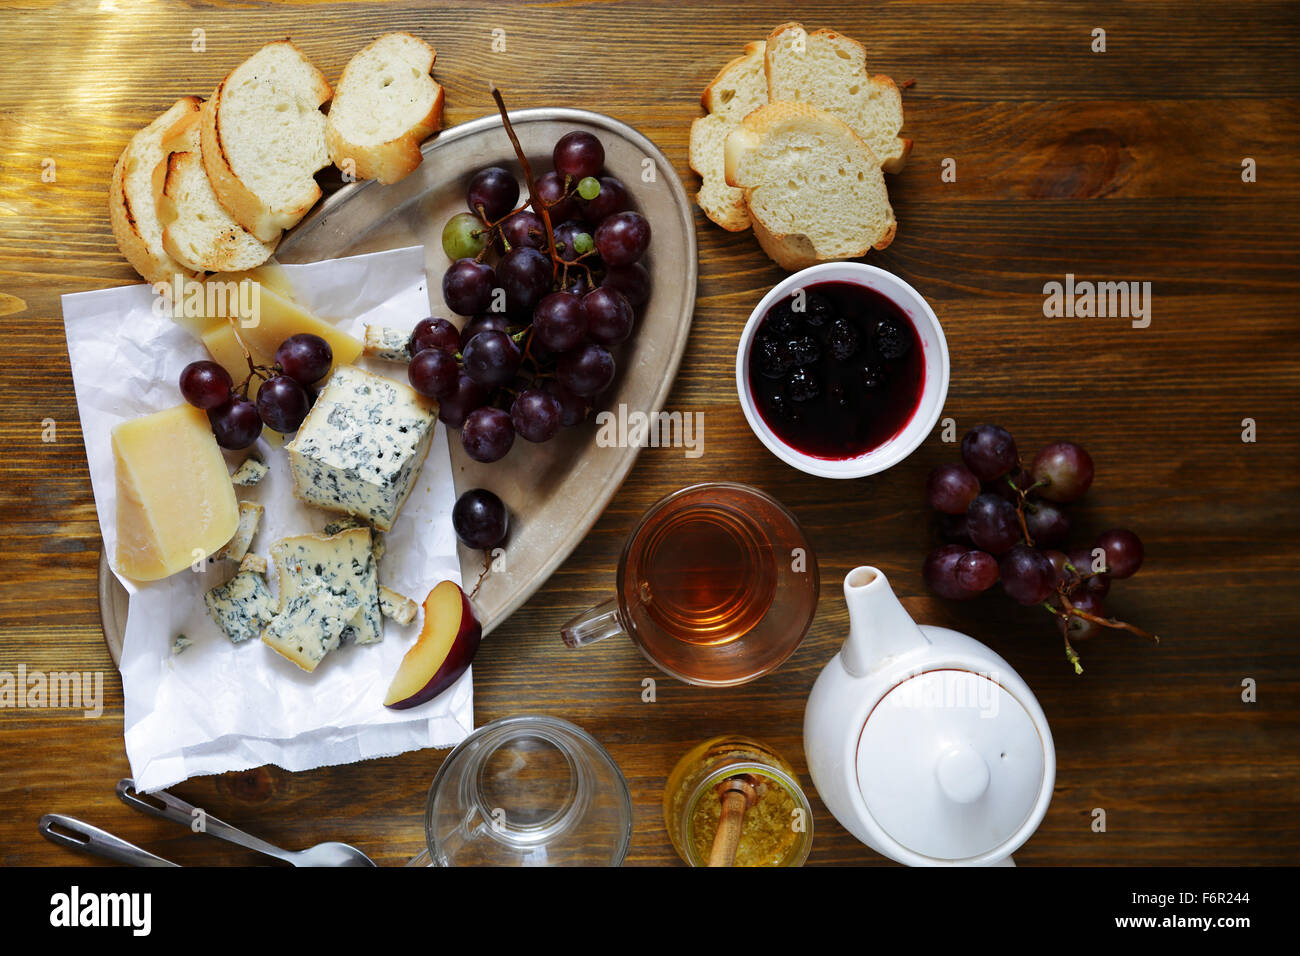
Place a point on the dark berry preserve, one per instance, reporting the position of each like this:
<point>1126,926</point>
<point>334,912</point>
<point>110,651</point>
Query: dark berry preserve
<point>836,370</point>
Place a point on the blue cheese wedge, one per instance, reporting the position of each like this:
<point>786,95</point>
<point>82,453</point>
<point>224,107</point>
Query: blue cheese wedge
<point>396,607</point>
<point>342,561</point>
<point>250,472</point>
<point>361,446</point>
<point>311,623</point>
<point>250,514</point>
<point>242,607</point>
<point>390,345</point>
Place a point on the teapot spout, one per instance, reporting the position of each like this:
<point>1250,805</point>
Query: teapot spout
<point>879,625</point>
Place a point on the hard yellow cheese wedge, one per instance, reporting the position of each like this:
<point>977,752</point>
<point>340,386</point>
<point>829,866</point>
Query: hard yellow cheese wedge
<point>205,304</point>
<point>175,502</point>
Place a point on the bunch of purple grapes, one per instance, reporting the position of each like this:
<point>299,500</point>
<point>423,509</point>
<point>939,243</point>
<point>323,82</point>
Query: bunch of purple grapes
<point>549,287</point>
<point>1004,522</point>
<point>282,400</point>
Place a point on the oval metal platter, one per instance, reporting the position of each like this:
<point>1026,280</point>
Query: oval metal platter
<point>557,490</point>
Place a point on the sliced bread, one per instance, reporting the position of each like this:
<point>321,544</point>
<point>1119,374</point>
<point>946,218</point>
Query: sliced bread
<point>132,196</point>
<point>739,88</point>
<point>814,188</point>
<point>263,139</point>
<point>197,230</point>
<point>386,105</point>
<point>829,71</point>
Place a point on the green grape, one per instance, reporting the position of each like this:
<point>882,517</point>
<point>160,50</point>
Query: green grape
<point>589,187</point>
<point>462,237</point>
<point>583,243</point>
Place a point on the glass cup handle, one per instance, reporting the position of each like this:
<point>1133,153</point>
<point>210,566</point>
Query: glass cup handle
<point>594,624</point>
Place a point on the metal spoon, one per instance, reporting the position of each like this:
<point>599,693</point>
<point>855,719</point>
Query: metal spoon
<point>73,833</point>
<point>178,811</point>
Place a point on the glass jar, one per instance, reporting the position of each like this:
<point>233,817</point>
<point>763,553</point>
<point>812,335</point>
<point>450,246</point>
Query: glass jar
<point>777,828</point>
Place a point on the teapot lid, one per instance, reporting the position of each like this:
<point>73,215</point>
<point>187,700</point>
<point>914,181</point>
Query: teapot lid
<point>950,765</point>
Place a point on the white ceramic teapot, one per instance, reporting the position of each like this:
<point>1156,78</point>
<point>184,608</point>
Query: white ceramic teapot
<point>922,742</point>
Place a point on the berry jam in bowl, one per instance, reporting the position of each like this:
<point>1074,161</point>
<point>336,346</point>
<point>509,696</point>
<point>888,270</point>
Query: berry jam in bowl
<point>842,370</point>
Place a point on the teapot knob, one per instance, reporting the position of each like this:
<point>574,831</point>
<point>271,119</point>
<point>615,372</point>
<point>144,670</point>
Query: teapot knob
<point>963,774</point>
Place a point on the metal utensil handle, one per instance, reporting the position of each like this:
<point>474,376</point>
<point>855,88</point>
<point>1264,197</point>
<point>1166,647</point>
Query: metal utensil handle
<point>88,839</point>
<point>178,811</point>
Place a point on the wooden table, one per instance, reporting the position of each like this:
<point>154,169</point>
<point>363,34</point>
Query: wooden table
<point>1122,165</point>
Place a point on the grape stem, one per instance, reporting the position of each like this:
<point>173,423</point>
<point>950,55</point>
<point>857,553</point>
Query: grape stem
<point>253,368</point>
<point>538,205</point>
<point>1021,497</point>
<point>1071,611</point>
<point>487,566</point>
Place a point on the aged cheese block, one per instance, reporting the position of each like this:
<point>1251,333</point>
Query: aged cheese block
<point>175,502</point>
<point>361,446</point>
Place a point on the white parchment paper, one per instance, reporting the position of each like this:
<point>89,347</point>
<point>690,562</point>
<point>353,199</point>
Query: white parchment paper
<point>218,707</point>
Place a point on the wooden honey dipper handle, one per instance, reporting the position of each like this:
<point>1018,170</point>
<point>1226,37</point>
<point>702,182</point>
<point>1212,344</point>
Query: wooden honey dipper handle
<point>738,794</point>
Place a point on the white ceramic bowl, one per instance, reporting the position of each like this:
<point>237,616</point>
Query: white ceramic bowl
<point>933,394</point>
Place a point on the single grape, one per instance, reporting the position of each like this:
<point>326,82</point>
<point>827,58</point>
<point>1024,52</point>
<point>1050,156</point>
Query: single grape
<point>1062,576</point>
<point>976,571</point>
<point>989,451</point>
<point>951,488</point>
<point>480,519</point>
<point>492,193</point>
<point>560,321</point>
<point>589,187</point>
<point>1027,576</point>
<point>993,524</point>
<point>205,384</point>
<point>433,333</point>
<point>304,357</point>
<point>283,404</point>
<point>623,238</point>
<point>612,198</point>
<point>491,358</point>
<point>573,407</point>
<point>583,243</point>
<point>632,280</point>
<point>586,370</point>
<point>536,415</point>
<point>236,424</point>
<point>524,228</point>
<point>1076,628</point>
<point>1063,470</point>
<point>487,434</point>
<point>1048,525</point>
<point>464,236</point>
<point>1098,584</point>
<point>578,155</point>
<point>526,275</point>
<point>467,286</point>
<point>552,194</point>
<point>434,373</point>
<point>1085,562</point>
<point>1124,552</point>
<point>609,316</point>
<point>455,408</point>
<point>940,572</point>
<point>567,239</point>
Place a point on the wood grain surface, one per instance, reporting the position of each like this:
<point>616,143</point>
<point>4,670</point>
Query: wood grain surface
<point>1123,165</point>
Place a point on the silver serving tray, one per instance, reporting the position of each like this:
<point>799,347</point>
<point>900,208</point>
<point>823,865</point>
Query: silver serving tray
<point>556,491</point>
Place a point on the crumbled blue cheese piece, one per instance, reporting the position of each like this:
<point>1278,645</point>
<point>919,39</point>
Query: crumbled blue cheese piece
<point>310,624</point>
<point>396,607</point>
<point>242,606</point>
<point>351,521</point>
<point>361,446</point>
<point>390,345</point>
<point>250,514</point>
<point>342,561</point>
<point>181,644</point>
<point>253,562</point>
<point>250,472</point>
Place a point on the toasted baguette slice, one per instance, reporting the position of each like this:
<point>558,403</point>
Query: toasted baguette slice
<point>263,139</point>
<point>814,188</point>
<point>132,196</point>
<point>386,105</point>
<point>739,88</point>
<point>830,72</point>
<point>197,230</point>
